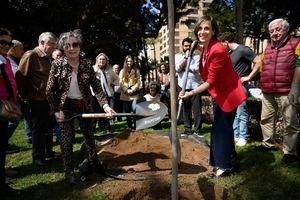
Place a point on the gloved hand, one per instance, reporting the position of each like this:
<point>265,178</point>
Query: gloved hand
<point>294,94</point>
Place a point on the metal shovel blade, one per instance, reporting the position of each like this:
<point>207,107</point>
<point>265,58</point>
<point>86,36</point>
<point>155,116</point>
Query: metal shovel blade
<point>152,112</point>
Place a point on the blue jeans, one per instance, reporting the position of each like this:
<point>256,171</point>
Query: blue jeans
<point>130,107</point>
<point>12,126</point>
<point>27,120</point>
<point>57,132</point>
<point>240,124</point>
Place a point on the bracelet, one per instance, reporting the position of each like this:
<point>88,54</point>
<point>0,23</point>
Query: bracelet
<point>185,57</point>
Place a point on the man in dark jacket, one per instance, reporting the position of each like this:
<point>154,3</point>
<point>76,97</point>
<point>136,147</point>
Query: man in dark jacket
<point>32,77</point>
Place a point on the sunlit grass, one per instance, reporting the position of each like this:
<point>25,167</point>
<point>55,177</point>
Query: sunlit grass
<point>262,176</point>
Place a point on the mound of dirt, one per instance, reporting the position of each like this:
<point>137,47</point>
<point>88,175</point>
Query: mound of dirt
<point>145,160</point>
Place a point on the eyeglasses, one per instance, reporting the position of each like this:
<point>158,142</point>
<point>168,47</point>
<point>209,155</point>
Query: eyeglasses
<point>72,45</point>
<point>5,43</point>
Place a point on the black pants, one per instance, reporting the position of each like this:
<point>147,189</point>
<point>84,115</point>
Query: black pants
<point>3,148</point>
<point>222,149</point>
<point>192,105</point>
<point>42,129</point>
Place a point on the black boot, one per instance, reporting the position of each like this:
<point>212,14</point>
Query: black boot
<point>98,167</point>
<point>70,177</point>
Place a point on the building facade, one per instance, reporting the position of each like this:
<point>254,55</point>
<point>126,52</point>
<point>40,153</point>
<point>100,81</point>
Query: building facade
<point>184,28</point>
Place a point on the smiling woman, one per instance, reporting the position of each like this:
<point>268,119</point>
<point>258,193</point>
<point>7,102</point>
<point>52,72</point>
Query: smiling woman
<point>68,88</point>
<point>7,93</point>
<point>225,87</point>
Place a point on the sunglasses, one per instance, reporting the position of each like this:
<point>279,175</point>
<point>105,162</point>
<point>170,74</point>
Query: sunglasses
<point>72,45</point>
<point>5,43</point>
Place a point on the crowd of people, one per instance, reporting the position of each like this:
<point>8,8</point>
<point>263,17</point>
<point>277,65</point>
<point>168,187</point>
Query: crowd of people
<point>53,81</point>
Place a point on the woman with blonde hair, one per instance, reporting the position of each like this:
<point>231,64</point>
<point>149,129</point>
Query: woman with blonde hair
<point>108,80</point>
<point>130,85</point>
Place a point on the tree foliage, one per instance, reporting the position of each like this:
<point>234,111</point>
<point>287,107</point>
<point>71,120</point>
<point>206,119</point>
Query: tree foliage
<point>116,27</point>
<point>256,15</point>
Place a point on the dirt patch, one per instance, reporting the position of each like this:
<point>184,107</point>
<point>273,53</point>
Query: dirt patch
<point>146,159</point>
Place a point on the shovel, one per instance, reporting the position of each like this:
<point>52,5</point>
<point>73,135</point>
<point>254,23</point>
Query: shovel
<point>147,114</point>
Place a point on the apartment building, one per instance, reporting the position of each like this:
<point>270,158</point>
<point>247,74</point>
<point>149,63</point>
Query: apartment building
<point>184,28</point>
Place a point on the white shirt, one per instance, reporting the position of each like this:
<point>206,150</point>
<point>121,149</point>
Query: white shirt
<point>193,79</point>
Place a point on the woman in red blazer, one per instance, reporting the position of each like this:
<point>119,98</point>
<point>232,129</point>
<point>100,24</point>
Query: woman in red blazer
<point>225,88</point>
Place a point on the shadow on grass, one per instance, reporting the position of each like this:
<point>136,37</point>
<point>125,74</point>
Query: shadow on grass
<point>60,190</point>
<point>261,176</point>
<point>265,177</point>
<point>12,148</point>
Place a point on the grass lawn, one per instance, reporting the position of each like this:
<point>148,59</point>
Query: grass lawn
<point>261,177</point>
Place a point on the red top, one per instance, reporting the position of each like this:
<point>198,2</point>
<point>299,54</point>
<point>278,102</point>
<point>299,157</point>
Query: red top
<point>225,85</point>
<point>279,66</point>
<point>4,94</point>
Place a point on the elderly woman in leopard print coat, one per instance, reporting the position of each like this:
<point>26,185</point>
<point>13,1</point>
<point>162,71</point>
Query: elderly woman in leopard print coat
<point>68,91</point>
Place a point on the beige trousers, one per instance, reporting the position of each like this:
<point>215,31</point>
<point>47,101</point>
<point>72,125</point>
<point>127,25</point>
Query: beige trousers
<point>272,105</point>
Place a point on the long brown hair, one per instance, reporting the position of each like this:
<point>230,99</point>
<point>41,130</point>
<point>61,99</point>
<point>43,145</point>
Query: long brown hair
<point>125,67</point>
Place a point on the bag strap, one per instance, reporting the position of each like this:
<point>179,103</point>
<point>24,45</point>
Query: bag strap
<point>6,80</point>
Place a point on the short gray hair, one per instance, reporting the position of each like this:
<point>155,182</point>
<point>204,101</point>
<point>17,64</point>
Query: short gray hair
<point>46,36</point>
<point>284,23</point>
<point>66,35</point>
<point>17,42</point>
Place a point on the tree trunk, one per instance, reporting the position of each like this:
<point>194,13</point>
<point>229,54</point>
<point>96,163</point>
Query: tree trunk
<point>239,20</point>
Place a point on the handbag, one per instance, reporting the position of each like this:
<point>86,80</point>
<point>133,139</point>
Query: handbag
<point>9,111</point>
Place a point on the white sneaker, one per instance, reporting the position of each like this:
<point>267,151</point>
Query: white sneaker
<point>241,142</point>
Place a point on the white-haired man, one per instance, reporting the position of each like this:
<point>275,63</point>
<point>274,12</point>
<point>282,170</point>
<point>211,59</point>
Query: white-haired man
<point>280,83</point>
<point>31,77</point>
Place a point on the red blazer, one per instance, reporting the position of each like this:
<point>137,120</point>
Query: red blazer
<point>225,84</point>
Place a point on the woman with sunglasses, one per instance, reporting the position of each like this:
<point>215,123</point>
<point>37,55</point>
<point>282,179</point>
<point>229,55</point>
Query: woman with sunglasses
<point>226,90</point>
<point>8,91</point>
<point>68,92</point>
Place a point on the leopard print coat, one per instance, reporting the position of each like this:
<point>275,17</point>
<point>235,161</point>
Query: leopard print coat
<point>59,83</point>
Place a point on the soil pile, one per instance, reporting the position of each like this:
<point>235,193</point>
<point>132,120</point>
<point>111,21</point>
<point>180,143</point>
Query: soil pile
<point>146,160</point>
